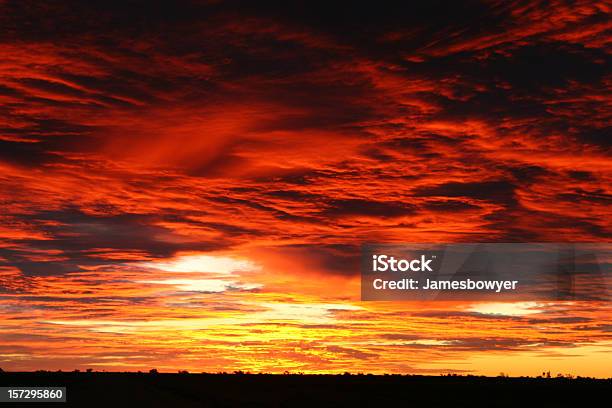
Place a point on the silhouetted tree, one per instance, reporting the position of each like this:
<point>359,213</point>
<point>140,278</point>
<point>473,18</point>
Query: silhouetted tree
<point>153,371</point>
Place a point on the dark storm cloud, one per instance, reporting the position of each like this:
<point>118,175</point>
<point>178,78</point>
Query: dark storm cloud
<point>528,174</point>
<point>27,154</point>
<point>504,343</point>
<point>38,268</point>
<point>361,25</point>
<point>293,195</point>
<point>75,230</point>
<point>600,196</point>
<point>596,136</point>
<point>473,343</point>
<point>357,207</point>
<point>499,191</point>
<point>342,259</point>
<point>31,20</point>
<point>528,70</point>
<point>34,128</point>
<point>77,234</point>
<point>448,206</point>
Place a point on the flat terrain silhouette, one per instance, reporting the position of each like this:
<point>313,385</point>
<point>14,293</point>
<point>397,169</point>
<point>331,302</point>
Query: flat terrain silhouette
<point>102,389</point>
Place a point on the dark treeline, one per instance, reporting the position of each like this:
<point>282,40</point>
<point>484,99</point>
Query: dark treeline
<point>105,389</point>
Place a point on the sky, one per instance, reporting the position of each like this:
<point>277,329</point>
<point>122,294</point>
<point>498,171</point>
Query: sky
<point>187,185</point>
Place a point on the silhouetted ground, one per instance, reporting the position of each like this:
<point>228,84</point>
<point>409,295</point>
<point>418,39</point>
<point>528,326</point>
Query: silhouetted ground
<point>217,390</point>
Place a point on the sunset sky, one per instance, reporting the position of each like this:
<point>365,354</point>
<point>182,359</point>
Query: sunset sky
<point>188,185</point>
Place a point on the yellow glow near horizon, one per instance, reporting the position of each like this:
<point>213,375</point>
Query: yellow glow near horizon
<point>203,263</point>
